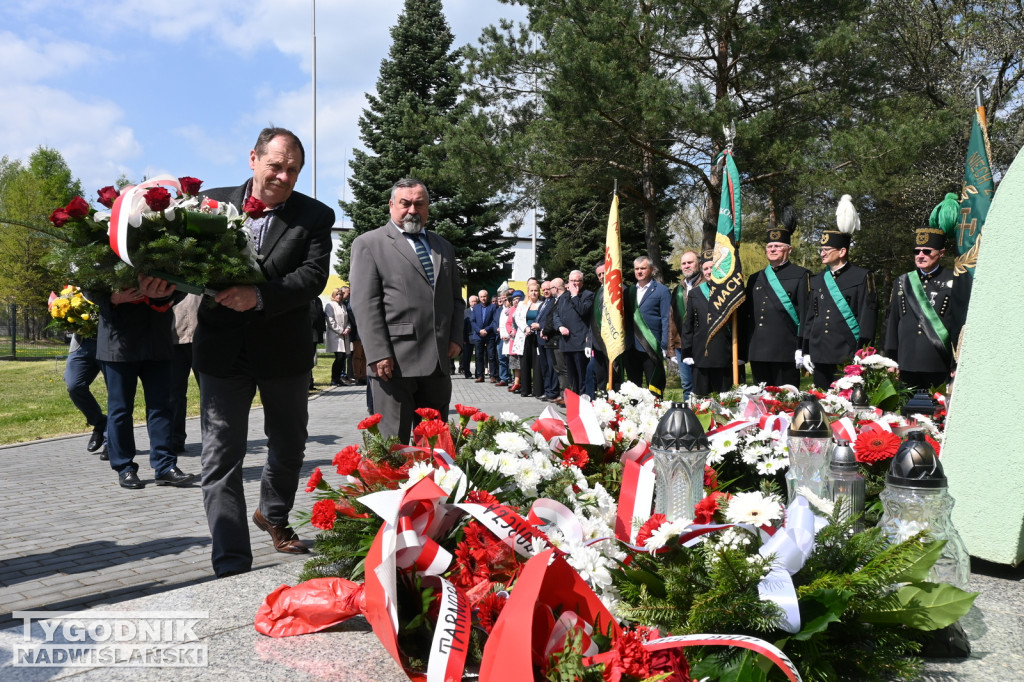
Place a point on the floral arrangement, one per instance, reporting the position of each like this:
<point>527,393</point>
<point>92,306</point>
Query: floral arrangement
<point>527,548</point>
<point>194,242</point>
<point>876,374</point>
<point>72,312</point>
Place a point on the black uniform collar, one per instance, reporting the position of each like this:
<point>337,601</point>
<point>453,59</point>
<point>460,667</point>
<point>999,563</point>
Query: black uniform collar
<point>779,268</point>
<point>931,275</point>
<point>843,268</point>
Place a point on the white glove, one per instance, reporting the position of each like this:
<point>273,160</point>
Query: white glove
<point>587,352</point>
<point>674,360</point>
<point>808,365</point>
<point>799,359</point>
<point>688,361</point>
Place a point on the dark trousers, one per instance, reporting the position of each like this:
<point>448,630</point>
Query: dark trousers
<point>775,373</point>
<point>559,363</point>
<point>923,380</point>
<point>397,399</point>
<point>529,365</point>
<point>79,373</point>
<point>122,381</point>
<point>708,379</point>
<point>640,369</point>
<point>824,375</point>
<point>575,370</point>
<point>179,394</point>
<point>548,373</point>
<point>225,404</point>
<point>597,374</point>
<point>465,359</point>
<point>486,356</point>
<point>338,368</point>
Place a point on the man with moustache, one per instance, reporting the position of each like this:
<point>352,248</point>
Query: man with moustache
<point>648,308</point>
<point>690,266</point>
<point>711,360</point>
<point>406,296</point>
<point>572,318</point>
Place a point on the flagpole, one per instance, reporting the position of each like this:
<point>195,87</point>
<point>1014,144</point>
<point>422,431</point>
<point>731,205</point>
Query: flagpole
<point>611,360</point>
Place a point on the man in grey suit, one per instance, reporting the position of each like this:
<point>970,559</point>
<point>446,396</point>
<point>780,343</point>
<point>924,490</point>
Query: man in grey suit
<point>407,300</point>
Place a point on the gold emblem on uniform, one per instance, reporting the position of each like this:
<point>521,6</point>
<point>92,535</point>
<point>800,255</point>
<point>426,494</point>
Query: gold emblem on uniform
<point>775,235</point>
<point>922,237</point>
<point>824,238</point>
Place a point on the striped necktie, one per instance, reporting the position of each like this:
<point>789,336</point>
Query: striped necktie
<point>424,256</point>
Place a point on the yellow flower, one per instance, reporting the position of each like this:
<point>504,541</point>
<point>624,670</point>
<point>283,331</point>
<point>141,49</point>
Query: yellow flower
<point>85,316</point>
<point>69,289</point>
<point>70,319</point>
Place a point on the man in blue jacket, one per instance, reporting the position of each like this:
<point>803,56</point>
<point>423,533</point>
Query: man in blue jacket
<point>484,336</point>
<point>648,307</point>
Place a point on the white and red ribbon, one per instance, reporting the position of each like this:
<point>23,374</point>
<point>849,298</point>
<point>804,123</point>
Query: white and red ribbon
<point>127,212</point>
<point>789,546</point>
<point>566,623</point>
<point>549,424</point>
<point>582,421</point>
<point>759,646</point>
<point>507,525</point>
<point>450,645</point>
<point>636,493</point>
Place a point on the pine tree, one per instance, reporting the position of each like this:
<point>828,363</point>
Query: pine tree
<point>404,128</point>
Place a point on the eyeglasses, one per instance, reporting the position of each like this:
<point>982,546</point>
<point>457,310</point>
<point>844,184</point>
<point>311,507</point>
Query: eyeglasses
<point>923,252</point>
<point>825,251</point>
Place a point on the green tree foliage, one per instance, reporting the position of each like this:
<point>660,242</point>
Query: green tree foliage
<point>28,193</point>
<point>416,103</point>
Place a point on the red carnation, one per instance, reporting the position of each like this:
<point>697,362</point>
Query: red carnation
<point>465,410</point>
<point>347,460</point>
<point>481,497</point>
<point>428,413</point>
<point>369,423</point>
<point>575,455</point>
<point>254,208</point>
<point>710,477</point>
<point>481,417</point>
<point>108,195</point>
<point>865,352</point>
<point>430,429</point>
<point>324,514</point>
<point>875,445</point>
<point>314,480</point>
<point>628,658</point>
<point>466,433</point>
<point>853,370</point>
<point>488,609</point>
<point>704,511</point>
<point>77,208</point>
<point>59,217</point>
<point>190,185</point>
<point>647,530</point>
<point>157,198</point>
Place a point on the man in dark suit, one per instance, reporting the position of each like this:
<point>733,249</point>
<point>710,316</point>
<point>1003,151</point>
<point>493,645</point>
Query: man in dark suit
<point>406,295</point>
<point>467,345</point>
<point>572,318</point>
<point>648,307</point>
<point>484,335</point>
<point>258,339</point>
<point>546,351</point>
<point>711,360</point>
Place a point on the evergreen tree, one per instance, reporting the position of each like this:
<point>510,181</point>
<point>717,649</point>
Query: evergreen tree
<point>404,128</point>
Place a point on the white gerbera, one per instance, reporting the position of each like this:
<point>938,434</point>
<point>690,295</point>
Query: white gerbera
<point>665,532</point>
<point>753,508</point>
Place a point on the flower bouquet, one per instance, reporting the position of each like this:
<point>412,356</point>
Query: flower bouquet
<point>72,312</point>
<point>196,243</point>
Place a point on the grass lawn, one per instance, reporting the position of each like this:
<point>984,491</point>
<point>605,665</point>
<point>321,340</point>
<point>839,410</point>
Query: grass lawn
<point>34,402</point>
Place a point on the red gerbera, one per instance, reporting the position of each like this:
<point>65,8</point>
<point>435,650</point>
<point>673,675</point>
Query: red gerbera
<point>575,455</point>
<point>481,497</point>
<point>465,410</point>
<point>324,514</point>
<point>314,480</point>
<point>347,460</point>
<point>428,413</point>
<point>647,530</point>
<point>488,609</point>
<point>875,445</point>
<point>369,423</point>
<point>934,443</point>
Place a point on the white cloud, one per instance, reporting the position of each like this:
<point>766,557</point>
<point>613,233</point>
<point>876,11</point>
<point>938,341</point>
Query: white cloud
<point>32,60</point>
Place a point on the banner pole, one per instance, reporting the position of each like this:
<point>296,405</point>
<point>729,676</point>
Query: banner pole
<point>735,350</point>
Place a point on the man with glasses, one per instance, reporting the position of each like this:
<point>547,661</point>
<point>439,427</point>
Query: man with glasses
<point>843,307</point>
<point>775,307</point>
<point>926,313</point>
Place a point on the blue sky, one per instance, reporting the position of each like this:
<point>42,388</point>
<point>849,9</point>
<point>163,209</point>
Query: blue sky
<point>143,88</point>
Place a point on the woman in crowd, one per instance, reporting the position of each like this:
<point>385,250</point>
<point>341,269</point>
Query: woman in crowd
<point>338,338</point>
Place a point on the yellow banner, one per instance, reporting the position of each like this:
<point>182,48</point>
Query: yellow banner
<point>613,329</point>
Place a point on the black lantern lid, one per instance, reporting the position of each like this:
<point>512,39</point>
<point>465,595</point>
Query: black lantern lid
<point>916,465</point>
<point>859,397</point>
<point>921,403</point>
<point>810,420</point>
<point>843,457</point>
<point>679,429</point>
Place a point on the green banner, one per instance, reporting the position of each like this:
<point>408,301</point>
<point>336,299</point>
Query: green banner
<point>976,197</point>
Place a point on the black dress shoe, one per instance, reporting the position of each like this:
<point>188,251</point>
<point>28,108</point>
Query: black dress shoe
<point>176,477</point>
<point>129,479</point>
<point>98,437</point>
<point>104,457</point>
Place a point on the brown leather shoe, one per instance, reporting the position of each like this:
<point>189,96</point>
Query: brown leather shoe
<point>479,380</point>
<point>559,401</point>
<point>283,538</point>
<point>501,383</point>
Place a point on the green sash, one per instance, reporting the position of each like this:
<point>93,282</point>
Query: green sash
<point>842,305</point>
<point>679,303</point>
<point>706,290</point>
<point>649,343</point>
<point>773,280</point>
<point>935,330</point>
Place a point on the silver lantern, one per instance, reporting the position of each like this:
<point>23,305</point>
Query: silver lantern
<point>680,450</point>
<point>810,450</point>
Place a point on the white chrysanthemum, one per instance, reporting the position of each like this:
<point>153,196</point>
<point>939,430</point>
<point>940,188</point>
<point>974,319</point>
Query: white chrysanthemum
<point>591,564</point>
<point>508,417</point>
<point>527,479</point>
<point>877,361</point>
<point>537,545</point>
<point>833,404</point>
<point>540,442</point>
<point>509,464</point>
<point>510,441</point>
<point>772,465</point>
<point>753,508</point>
<point>487,459</point>
<point>450,478</point>
<point>417,472</point>
<point>629,429</point>
<point>843,383</point>
<point>631,391</point>
<point>603,410</point>
<point>557,539</point>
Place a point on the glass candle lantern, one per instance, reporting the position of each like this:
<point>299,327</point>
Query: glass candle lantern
<point>847,484</point>
<point>680,450</point>
<point>810,450</point>
<point>916,498</point>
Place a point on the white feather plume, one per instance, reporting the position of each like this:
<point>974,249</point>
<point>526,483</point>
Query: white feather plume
<point>846,215</point>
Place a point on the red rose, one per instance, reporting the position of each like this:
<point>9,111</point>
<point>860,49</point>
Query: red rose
<point>77,208</point>
<point>347,460</point>
<point>254,207</point>
<point>59,217</point>
<point>465,410</point>
<point>647,530</point>
<point>157,198</point>
<point>190,185</point>
<point>875,445</point>
<point>108,195</point>
<point>369,422</point>
<point>428,413</point>
<point>324,514</point>
<point>575,455</point>
<point>314,480</point>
